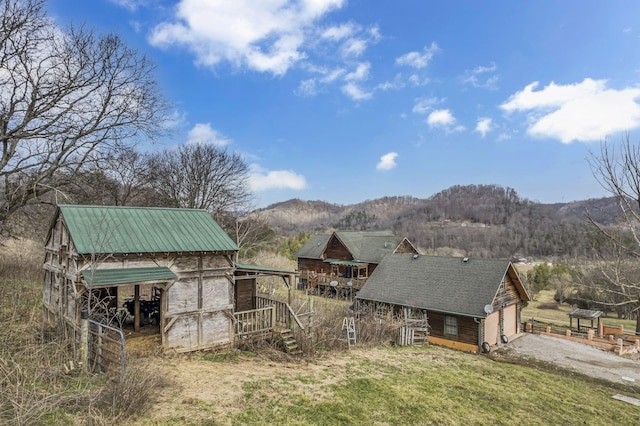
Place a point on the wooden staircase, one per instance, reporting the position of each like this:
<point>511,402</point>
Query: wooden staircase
<point>290,343</point>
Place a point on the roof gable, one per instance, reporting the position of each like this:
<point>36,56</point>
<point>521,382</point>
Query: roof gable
<point>107,229</point>
<point>443,284</point>
<point>364,246</point>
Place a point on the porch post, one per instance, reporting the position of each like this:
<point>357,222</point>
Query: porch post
<point>136,308</point>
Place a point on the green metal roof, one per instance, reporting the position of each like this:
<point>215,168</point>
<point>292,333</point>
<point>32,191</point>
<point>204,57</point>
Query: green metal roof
<point>266,269</point>
<point>110,277</point>
<point>106,229</point>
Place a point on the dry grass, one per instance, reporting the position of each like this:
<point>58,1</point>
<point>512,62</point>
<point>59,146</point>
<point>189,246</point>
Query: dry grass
<point>37,382</point>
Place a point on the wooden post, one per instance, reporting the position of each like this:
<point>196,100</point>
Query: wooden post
<point>136,308</point>
<point>590,334</point>
<point>548,330</point>
<point>273,318</point>
<point>84,340</point>
<point>600,329</point>
<point>311,318</point>
<point>568,333</point>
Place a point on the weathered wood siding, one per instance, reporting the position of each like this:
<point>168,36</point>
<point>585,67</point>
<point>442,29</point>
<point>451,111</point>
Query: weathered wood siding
<point>317,265</point>
<point>199,304</point>
<point>336,250</point>
<point>467,328</point>
<point>245,294</point>
<point>405,247</point>
<point>506,296</point>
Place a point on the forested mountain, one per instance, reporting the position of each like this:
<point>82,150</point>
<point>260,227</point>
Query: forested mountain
<point>473,220</point>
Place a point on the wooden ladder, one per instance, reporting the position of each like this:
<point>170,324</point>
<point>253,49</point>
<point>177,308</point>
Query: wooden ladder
<point>348,325</point>
<point>290,343</point>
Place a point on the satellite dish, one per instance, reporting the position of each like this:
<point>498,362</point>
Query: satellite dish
<point>349,284</point>
<point>333,283</point>
<point>488,309</point>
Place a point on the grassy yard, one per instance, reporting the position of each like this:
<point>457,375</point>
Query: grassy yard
<point>402,385</point>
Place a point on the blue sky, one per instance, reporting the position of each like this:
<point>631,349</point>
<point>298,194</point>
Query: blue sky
<point>344,101</point>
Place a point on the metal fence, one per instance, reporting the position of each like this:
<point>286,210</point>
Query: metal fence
<point>106,349</point>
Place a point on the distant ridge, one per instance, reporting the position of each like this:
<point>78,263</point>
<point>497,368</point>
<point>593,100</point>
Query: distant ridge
<point>453,218</point>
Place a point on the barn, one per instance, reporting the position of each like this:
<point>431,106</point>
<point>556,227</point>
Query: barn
<point>175,267</point>
<point>470,303</point>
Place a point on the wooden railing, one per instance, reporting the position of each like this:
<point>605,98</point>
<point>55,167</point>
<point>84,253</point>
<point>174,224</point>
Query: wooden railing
<point>255,322</point>
<point>284,314</point>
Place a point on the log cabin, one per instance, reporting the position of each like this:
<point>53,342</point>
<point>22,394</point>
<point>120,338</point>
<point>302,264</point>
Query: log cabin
<point>338,264</point>
<point>179,258</point>
<point>470,304</point>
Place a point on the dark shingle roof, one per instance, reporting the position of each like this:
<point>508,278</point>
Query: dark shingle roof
<point>443,284</point>
<point>364,246</point>
<point>314,247</point>
<point>106,229</point>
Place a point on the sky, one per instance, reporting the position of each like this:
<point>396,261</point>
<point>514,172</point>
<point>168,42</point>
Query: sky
<point>352,100</point>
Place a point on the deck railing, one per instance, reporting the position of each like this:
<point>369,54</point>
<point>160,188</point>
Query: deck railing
<point>255,322</point>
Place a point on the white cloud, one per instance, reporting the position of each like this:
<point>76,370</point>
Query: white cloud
<point>424,105</point>
<point>397,83</point>
<point>340,32</point>
<point>387,161</point>
<point>131,5</point>
<point>484,126</point>
<point>354,47</point>
<point>262,36</point>
<point>263,180</point>
<point>440,118</point>
<point>356,93</point>
<point>417,59</point>
<point>417,81</point>
<point>307,88</point>
<point>585,111</point>
<point>360,73</point>
<point>203,133</point>
<point>482,77</point>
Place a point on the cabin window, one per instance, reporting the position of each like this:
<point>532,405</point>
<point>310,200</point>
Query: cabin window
<point>450,326</point>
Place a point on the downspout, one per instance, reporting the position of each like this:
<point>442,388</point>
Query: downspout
<point>480,334</point>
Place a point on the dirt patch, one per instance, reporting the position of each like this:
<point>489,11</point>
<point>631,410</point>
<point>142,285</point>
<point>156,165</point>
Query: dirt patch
<point>578,357</point>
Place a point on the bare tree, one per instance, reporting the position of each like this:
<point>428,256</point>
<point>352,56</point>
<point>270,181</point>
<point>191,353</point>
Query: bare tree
<point>68,97</point>
<point>201,176</point>
<point>618,171</point>
<point>120,179</point>
<point>250,230</point>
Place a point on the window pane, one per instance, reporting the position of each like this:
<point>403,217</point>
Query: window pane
<point>451,326</point>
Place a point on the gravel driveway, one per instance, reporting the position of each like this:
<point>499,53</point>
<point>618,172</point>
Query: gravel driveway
<point>578,357</point>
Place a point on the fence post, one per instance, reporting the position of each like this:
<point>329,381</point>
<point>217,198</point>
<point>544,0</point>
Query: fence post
<point>601,330</point>
<point>548,330</point>
<point>590,333</point>
<point>273,318</point>
<point>568,333</point>
<point>84,340</point>
<point>311,317</point>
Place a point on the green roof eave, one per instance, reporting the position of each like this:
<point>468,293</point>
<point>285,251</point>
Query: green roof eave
<point>112,277</point>
<point>266,269</point>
